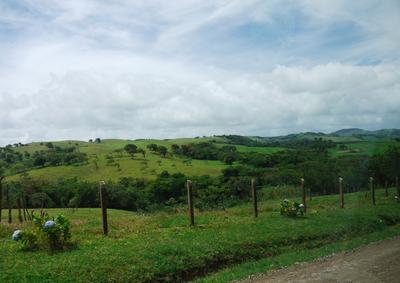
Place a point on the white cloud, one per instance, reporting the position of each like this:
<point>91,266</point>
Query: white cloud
<point>136,69</point>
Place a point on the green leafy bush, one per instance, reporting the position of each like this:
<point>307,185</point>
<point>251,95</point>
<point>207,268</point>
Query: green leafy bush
<point>27,238</point>
<point>292,208</point>
<point>50,233</point>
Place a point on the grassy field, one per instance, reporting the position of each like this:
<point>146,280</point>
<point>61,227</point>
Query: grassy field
<point>161,247</point>
<point>362,148</point>
<point>98,166</point>
<point>122,165</point>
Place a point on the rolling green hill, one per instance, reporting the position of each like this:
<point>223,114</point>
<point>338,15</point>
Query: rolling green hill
<point>107,160</point>
<point>368,135</point>
<point>99,165</point>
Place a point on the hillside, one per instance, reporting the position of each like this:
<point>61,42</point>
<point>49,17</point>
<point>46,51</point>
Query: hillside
<point>343,135</point>
<point>107,159</point>
<point>104,162</point>
<point>368,135</point>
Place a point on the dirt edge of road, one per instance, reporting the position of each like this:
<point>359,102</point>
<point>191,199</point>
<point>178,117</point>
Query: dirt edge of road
<point>375,262</point>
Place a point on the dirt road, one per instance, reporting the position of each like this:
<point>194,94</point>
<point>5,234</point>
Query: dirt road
<point>377,262</point>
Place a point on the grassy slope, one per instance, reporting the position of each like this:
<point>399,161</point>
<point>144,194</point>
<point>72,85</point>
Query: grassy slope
<point>144,248</point>
<point>139,167</point>
<point>363,148</point>
<point>155,164</point>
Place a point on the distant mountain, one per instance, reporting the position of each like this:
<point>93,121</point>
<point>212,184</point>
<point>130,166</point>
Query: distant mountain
<point>365,134</point>
<point>343,135</point>
<point>350,132</point>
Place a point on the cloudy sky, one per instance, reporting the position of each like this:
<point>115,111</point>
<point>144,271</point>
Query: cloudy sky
<point>80,69</point>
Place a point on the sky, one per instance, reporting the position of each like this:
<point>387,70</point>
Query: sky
<point>82,69</point>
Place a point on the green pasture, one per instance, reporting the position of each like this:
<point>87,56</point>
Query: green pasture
<point>98,166</point>
<point>362,148</point>
<point>161,247</point>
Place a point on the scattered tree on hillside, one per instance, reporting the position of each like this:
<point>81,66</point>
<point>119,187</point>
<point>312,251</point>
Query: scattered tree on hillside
<point>131,149</point>
<point>229,159</point>
<point>162,150</point>
<point>152,147</point>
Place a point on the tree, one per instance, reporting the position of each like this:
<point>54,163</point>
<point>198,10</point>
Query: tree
<point>175,149</point>
<point>386,166</point>
<point>97,140</point>
<point>162,150</point>
<point>39,160</point>
<point>131,149</point>
<point>152,147</point>
<point>229,159</point>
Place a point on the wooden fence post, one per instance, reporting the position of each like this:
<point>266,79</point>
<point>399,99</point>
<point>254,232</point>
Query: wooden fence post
<point>190,201</point>
<point>23,207</point>
<point>303,194</point>
<point>1,195</point>
<point>372,189</point>
<point>398,188</point>
<point>341,192</point>
<point>386,188</point>
<point>19,210</point>
<point>254,197</point>
<point>9,204</point>
<point>103,201</point>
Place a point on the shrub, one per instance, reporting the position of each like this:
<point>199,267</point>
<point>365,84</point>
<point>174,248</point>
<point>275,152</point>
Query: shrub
<point>55,231</point>
<point>27,238</point>
<point>50,233</point>
<point>292,208</point>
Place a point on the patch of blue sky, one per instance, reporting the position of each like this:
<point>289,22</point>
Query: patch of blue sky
<point>20,11</point>
<point>272,33</point>
<point>342,35</point>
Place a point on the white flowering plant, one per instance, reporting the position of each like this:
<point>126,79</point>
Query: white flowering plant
<point>292,208</point>
<point>27,238</point>
<point>55,230</point>
<point>53,233</point>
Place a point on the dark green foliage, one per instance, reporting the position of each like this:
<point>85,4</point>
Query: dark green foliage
<point>16,162</point>
<point>152,147</point>
<point>49,145</point>
<point>318,143</point>
<point>131,149</point>
<point>386,166</point>
<point>207,151</point>
<point>241,140</point>
<point>160,149</point>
